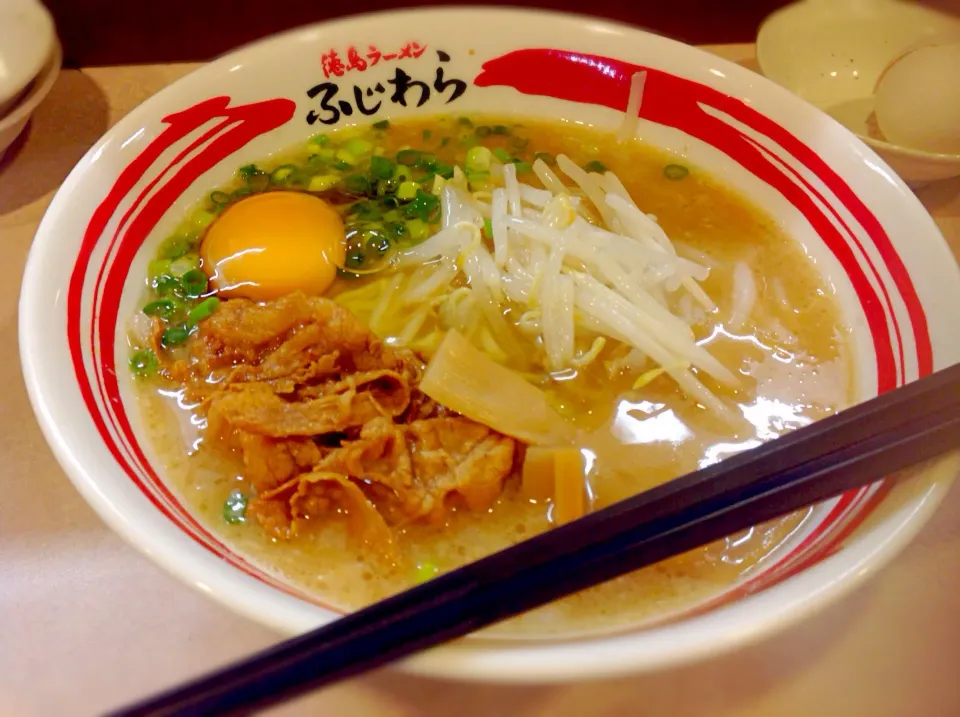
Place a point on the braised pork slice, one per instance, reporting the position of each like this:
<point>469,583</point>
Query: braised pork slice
<point>326,418</point>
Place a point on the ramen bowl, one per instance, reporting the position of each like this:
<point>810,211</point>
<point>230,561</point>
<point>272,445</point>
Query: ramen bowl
<point>894,278</point>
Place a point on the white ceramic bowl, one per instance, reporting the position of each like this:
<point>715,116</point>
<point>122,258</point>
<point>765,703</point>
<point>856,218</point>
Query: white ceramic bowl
<point>894,276</point>
<point>832,52</point>
<point>13,123</point>
<point>27,38</point>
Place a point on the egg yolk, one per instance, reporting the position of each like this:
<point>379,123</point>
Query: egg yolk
<point>271,244</point>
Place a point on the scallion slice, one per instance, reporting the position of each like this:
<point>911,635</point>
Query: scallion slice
<point>202,310</point>
<point>175,336</point>
<point>162,308</point>
<point>235,507</point>
<point>675,171</point>
<point>381,167</point>
<point>143,363</point>
<point>194,283</point>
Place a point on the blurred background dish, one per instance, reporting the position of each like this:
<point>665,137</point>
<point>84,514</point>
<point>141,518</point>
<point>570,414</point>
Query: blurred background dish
<point>833,54</point>
<point>27,38</point>
<point>14,122</point>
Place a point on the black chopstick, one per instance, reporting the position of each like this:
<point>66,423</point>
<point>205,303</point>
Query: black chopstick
<point>856,447</point>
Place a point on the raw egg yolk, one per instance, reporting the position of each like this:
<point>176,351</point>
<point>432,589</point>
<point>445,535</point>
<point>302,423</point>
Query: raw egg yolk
<point>271,244</point>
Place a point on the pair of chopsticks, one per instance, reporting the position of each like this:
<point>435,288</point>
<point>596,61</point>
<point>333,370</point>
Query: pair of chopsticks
<point>853,448</point>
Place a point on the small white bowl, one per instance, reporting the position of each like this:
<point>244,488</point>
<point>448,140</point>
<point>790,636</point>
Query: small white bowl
<point>894,277</point>
<point>27,37</point>
<point>832,52</point>
<point>12,124</point>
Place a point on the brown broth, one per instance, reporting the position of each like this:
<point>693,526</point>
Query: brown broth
<point>793,363</point>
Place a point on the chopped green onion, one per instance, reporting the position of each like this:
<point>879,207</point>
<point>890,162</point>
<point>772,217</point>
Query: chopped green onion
<point>546,157</point>
<point>427,134</point>
<point>342,165</point>
<point>158,267</point>
<point>165,285</point>
<point>194,283</point>
<point>595,166</point>
<point>202,310</point>
<point>477,178</point>
<point>187,262</point>
<point>356,183</point>
<point>358,147</point>
<point>235,507</point>
<point>444,142</point>
<point>401,173</point>
<point>444,170</point>
<point>202,219</point>
<point>425,206</point>
<point>326,153</point>
<point>426,571</point>
<point>173,248</point>
<point>488,228</point>
<point>368,211</point>
<point>503,155</point>
<point>408,157</point>
<point>522,167</point>
<point>407,190</point>
<point>519,142</point>
<point>282,173</point>
<point>500,129</point>
<point>478,159</point>
<point>382,124</point>
<point>322,182</point>
<point>465,121</point>
<point>319,139</point>
<point>247,171</point>
<point>243,192</point>
<point>315,164</point>
<point>675,171</point>
<point>427,161</point>
<point>482,131</point>
<point>346,156</point>
<point>164,308</point>
<point>258,182</point>
<point>143,363</point>
<point>220,198</point>
<point>175,336</point>
<point>381,167</point>
<point>418,229</point>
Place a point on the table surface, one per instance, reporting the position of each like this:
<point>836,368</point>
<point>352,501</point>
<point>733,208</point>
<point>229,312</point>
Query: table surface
<point>87,623</point>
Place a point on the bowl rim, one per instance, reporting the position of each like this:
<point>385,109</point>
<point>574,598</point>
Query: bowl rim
<point>502,662</point>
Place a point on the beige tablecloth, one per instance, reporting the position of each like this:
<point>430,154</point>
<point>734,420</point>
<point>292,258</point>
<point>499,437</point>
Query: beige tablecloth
<point>87,623</point>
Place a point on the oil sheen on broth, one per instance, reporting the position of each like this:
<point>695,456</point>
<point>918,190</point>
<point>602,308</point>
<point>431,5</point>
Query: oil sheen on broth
<point>790,353</point>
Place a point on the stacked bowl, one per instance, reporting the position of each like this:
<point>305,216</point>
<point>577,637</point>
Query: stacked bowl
<point>29,63</point>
